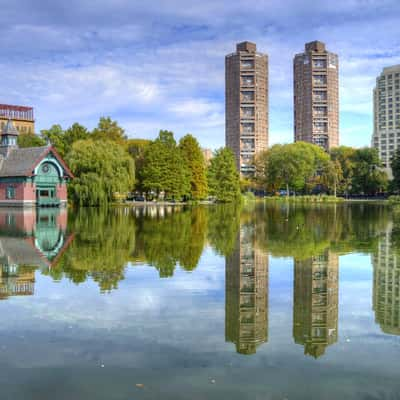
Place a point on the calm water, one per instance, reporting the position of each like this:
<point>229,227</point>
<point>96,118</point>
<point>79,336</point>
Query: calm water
<point>204,303</point>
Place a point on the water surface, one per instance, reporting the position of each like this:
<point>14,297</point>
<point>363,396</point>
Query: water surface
<point>267,302</point>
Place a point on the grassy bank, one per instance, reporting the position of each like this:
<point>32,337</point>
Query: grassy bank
<point>306,199</point>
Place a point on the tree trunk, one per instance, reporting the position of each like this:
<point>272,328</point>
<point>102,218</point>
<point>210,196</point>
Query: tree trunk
<point>287,190</point>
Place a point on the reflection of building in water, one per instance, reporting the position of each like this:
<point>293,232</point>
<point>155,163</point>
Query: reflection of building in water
<point>29,239</point>
<point>386,295</point>
<point>315,319</point>
<point>246,308</point>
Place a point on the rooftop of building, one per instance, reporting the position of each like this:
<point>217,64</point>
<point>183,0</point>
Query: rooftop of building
<point>391,69</point>
<point>246,46</point>
<point>316,45</point>
<point>20,162</point>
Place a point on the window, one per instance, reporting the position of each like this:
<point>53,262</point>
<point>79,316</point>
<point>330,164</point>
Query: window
<point>10,192</point>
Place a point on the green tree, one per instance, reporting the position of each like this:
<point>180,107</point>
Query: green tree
<point>395,165</point>
<point>55,135</point>
<point>344,155</point>
<point>136,148</point>
<point>101,169</point>
<point>73,134</point>
<point>164,168</point>
<point>30,140</point>
<point>223,177</point>
<point>107,129</point>
<point>194,159</point>
<point>368,176</point>
<point>296,166</point>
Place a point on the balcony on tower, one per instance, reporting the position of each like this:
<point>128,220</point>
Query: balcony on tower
<point>247,96</point>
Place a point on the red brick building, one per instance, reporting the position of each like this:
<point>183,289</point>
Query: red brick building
<point>33,176</point>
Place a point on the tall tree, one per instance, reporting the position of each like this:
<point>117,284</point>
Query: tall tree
<point>73,134</point>
<point>368,177</point>
<point>30,140</point>
<point>164,169</point>
<point>101,169</point>
<point>107,129</point>
<point>193,156</point>
<point>55,135</point>
<point>223,177</point>
<point>395,165</point>
<point>137,148</point>
<point>344,155</point>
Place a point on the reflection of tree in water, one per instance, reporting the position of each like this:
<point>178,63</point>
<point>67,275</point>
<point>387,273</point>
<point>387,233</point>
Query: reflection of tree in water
<point>178,238</point>
<point>304,231</point>
<point>104,241</point>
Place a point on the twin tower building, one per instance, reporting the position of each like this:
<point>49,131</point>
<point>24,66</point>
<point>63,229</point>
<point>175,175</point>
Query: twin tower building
<point>316,100</point>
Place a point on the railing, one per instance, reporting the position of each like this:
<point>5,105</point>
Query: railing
<point>48,202</point>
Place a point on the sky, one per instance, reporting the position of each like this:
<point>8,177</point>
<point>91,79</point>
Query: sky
<point>160,64</point>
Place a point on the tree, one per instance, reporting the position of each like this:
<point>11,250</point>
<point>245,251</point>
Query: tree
<point>331,175</point>
<point>395,165</point>
<point>73,134</point>
<point>164,168</point>
<point>101,169</point>
<point>107,129</point>
<point>295,166</point>
<point>368,176</point>
<point>194,159</point>
<point>344,155</point>
<point>223,177</point>
<point>30,140</point>
<point>137,148</point>
<point>55,135</point>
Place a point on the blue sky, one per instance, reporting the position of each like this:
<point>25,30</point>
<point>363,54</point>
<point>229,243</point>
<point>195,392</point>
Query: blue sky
<point>160,64</point>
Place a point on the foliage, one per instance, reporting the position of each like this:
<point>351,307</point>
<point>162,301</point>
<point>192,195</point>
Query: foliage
<point>223,177</point>
<point>100,169</point>
<point>164,168</point>
<point>368,177</point>
<point>194,159</point>
<point>107,129</point>
<point>55,135</point>
<point>344,156</point>
<point>296,166</point>
<point>395,165</point>
<point>30,140</point>
<point>136,148</point>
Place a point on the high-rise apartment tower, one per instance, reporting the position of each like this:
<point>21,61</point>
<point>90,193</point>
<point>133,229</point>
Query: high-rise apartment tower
<point>316,96</point>
<point>386,136</point>
<point>246,104</point>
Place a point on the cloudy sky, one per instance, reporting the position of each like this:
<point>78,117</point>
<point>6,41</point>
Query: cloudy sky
<point>160,64</point>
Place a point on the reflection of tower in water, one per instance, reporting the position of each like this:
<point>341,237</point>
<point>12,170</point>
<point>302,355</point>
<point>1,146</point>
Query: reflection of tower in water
<point>315,312</point>
<point>386,291</point>
<point>246,308</point>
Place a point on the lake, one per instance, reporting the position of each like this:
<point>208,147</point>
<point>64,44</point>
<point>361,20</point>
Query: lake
<point>263,302</point>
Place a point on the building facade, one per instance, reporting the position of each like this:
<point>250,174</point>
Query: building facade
<point>246,105</point>
<point>33,176</point>
<point>316,96</point>
<point>246,307</point>
<point>386,136</point>
<point>22,117</point>
<point>315,311</point>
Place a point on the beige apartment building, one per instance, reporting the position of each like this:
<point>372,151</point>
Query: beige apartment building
<point>316,96</point>
<point>246,105</point>
<point>21,116</point>
<point>386,136</point>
